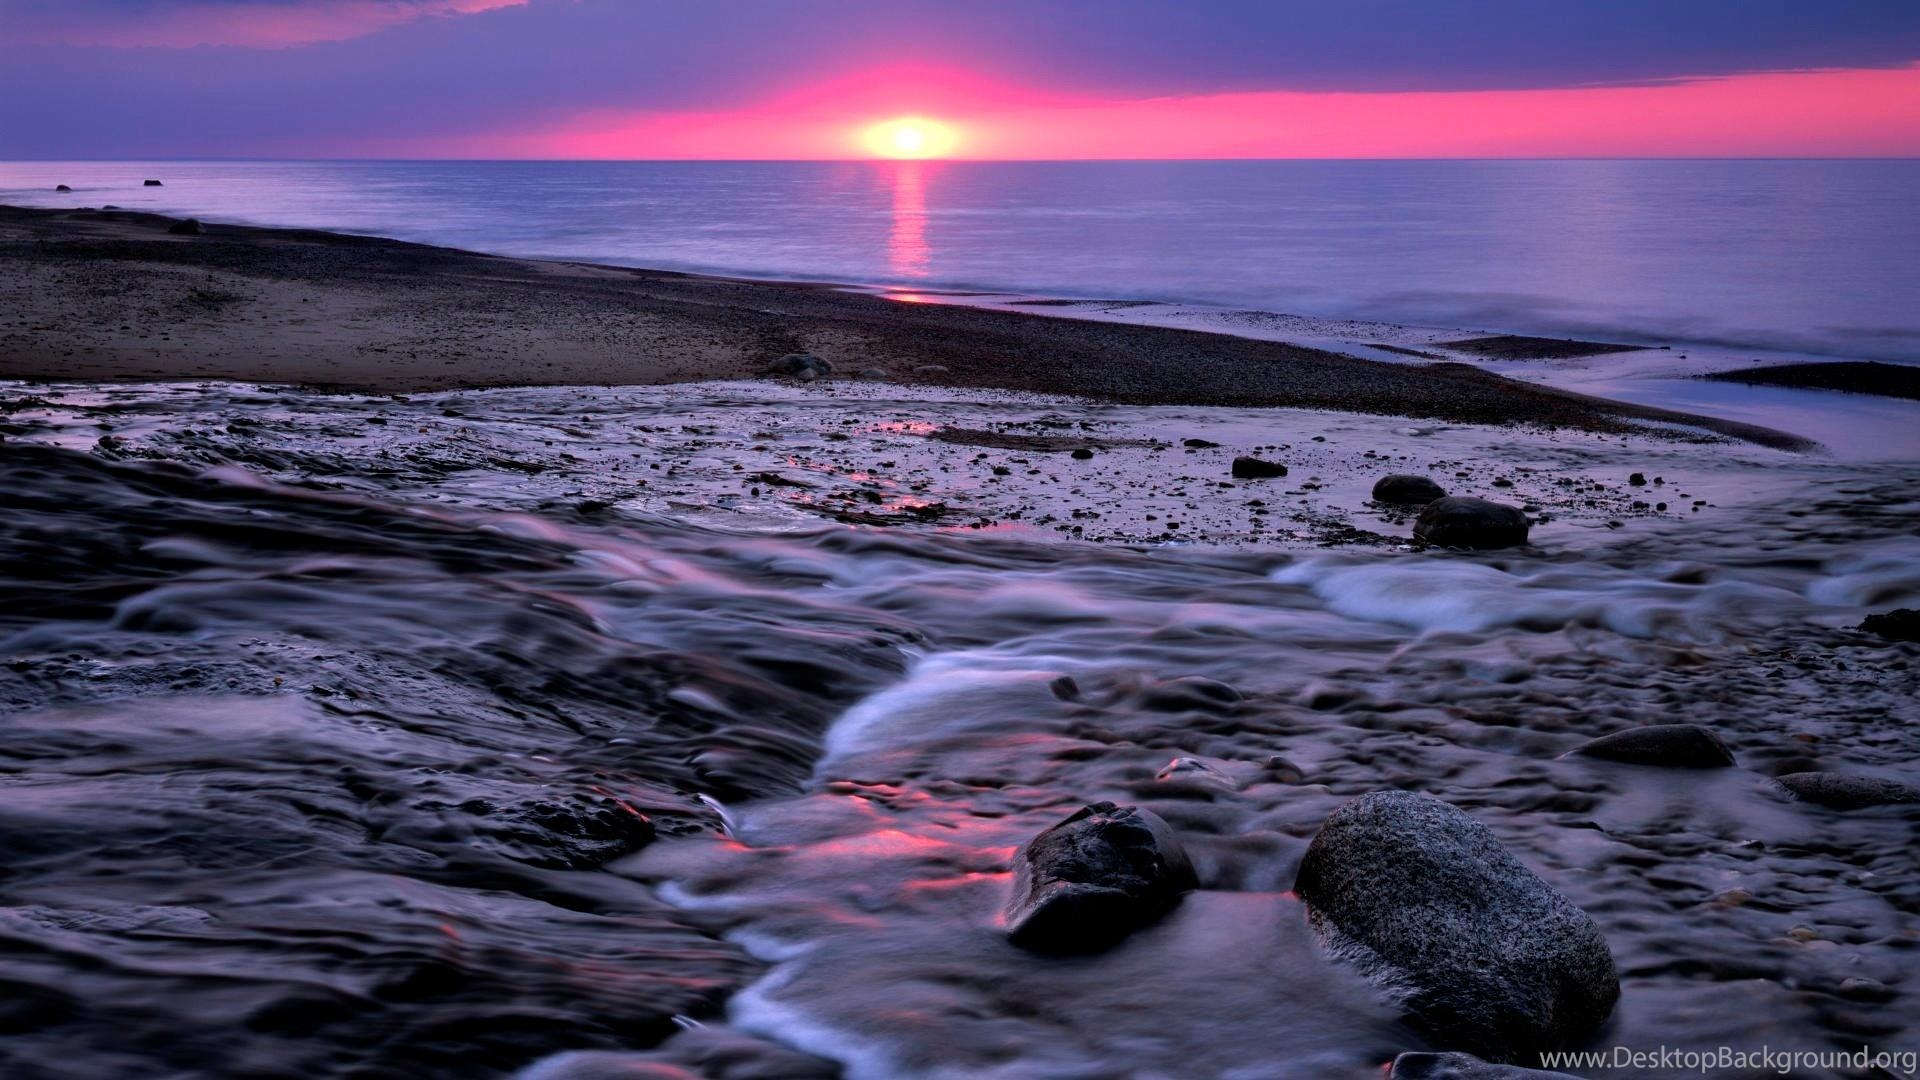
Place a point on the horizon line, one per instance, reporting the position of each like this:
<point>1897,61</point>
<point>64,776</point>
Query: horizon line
<point>955,160</point>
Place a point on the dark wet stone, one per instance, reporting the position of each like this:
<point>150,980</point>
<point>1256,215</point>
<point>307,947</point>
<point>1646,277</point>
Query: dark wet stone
<point>801,366</point>
<point>1091,880</point>
<point>1673,746</point>
<point>1190,692</point>
<point>1253,468</point>
<point>1462,1067</point>
<point>61,187</point>
<point>1082,454</point>
<point>1840,791</point>
<point>1065,688</point>
<point>1284,770</point>
<point>1638,479</point>
<point>185,227</point>
<point>1198,444</point>
<point>1460,521</point>
<point>1900,624</point>
<point>1490,958</point>
<point>1405,489</point>
<point>152,183</point>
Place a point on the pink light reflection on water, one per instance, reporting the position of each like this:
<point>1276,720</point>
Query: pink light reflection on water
<point>908,253</point>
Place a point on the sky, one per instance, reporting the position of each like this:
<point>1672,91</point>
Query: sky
<point>978,79</point>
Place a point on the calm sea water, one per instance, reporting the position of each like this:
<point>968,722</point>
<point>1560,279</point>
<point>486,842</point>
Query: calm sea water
<point>1816,256</point>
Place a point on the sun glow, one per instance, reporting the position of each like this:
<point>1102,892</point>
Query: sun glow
<point>910,137</point>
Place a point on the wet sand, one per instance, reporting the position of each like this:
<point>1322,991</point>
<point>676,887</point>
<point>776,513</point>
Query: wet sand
<point>113,295</point>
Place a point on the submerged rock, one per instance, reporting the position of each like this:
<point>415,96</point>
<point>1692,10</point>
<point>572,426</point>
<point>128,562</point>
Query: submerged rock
<point>1673,746</point>
<point>1425,899</point>
<point>152,183</point>
<point>185,227</point>
<point>1404,489</point>
<point>1900,624</point>
<point>801,366</point>
<point>61,187</point>
<point>1089,881</point>
<point>1253,468</point>
<point>1190,692</point>
<point>1460,521</point>
<point>1462,1067</point>
<point>1840,791</point>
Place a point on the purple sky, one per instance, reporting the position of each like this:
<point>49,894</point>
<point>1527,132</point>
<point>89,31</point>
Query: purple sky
<point>135,78</point>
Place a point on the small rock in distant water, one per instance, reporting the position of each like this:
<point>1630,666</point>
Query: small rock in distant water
<point>1198,444</point>
<point>61,187</point>
<point>1840,791</point>
<point>185,227</point>
<point>1900,624</point>
<point>153,183</point>
<point>1490,958</point>
<point>1403,489</point>
<point>1091,880</point>
<point>1082,454</point>
<point>1422,1066</point>
<point>1190,692</point>
<point>1252,468</point>
<point>1284,770</point>
<point>805,366</point>
<point>1460,521</point>
<point>1673,746</point>
<point>1193,771</point>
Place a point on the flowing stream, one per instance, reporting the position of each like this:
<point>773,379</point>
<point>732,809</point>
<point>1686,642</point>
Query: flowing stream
<point>506,732</point>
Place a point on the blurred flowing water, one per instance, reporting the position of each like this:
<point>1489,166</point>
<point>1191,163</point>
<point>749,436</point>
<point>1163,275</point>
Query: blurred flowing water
<point>358,736</point>
<point>1804,256</point>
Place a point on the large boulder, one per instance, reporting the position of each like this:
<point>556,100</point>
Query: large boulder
<point>1461,521</point>
<point>1840,791</point>
<point>1089,881</point>
<point>1487,956</point>
<point>1403,489</point>
<point>1900,624</point>
<point>1673,746</point>
<point>1421,1066</point>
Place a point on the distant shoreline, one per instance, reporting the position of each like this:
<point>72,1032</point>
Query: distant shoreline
<point>113,295</point>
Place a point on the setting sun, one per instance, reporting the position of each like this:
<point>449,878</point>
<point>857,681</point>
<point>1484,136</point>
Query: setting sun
<point>910,137</point>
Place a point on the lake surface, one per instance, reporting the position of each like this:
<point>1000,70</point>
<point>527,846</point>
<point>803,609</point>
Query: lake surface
<point>1804,256</point>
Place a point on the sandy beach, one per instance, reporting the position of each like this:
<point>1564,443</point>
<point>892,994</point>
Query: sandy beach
<point>115,295</point>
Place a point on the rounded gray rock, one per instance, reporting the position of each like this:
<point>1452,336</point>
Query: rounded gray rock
<point>1840,791</point>
<point>1094,878</point>
<point>1405,489</point>
<point>1253,468</point>
<point>1489,958</point>
<point>1461,521</point>
<point>1672,746</point>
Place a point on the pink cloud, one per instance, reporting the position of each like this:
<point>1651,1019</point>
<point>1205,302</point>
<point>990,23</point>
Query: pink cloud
<point>252,26</point>
<point>1863,112</point>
